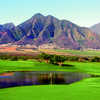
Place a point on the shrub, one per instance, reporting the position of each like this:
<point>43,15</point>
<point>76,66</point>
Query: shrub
<point>72,58</point>
<point>14,58</point>
<point>83,59</point>
<point>95,59</point>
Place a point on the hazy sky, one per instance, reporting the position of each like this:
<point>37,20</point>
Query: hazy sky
<point>81,12</point>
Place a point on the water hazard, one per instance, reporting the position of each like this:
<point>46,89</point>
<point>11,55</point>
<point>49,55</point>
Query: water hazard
<point>12,79</point>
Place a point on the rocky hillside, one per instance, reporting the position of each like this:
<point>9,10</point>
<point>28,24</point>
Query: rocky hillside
<point>96,28</point>
<point>41,29</point>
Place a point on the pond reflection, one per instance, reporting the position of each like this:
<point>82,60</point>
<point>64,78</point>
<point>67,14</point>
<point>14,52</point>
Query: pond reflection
<point>13,79</point>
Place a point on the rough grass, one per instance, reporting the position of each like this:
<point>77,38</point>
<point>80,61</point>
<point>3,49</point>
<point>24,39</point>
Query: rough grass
<point>88,89</point>
<point>82,53</point>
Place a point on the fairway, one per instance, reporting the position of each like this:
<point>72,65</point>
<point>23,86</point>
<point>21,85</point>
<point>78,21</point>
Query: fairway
<point>88,89</point>
<point>33,65</point>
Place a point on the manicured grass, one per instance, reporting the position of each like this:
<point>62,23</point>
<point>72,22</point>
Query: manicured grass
<point>87,67</point>
<point>32,65</point>
<point>82,53</point>
<point>88,89</point>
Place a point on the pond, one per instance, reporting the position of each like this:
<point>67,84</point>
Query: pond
<point>12,79</point>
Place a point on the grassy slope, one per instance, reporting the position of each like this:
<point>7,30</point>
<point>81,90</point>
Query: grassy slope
<point>78,52</point>
<point>88,89</point>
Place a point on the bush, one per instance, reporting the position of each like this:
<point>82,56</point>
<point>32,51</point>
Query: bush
<point>72,58</point>
<point>95,59</point>
<point>83,59</point>
<point>14,58</point>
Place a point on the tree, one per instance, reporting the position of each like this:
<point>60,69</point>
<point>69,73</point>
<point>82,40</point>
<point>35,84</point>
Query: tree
<point>57,59</point>
<point>14,58</point>
<point>53,59</point>
<point>60,60</point>
<point>95,59</point>
<point>45,57</point>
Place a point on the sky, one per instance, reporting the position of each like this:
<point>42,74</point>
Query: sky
<point>81,12</point>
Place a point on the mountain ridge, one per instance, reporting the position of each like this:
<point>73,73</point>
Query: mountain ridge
<point>40,29</point>
<point>96,28</point>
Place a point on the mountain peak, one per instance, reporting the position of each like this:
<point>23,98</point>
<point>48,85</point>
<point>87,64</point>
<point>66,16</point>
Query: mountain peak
<point>38,15</point>
<point>9,25</point>
<point>41,29</point>
<point>96,28</point>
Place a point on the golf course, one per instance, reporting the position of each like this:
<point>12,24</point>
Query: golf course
<point>86,89</point>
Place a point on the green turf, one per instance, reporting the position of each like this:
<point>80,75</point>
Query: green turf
<point>88,89</point>
<point>88,67</point>
<point>79,52</point>
<point>6,65</point>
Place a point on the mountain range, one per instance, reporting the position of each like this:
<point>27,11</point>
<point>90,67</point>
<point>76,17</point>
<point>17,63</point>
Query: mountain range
<point>40,29</point>
<point>96,28</point>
